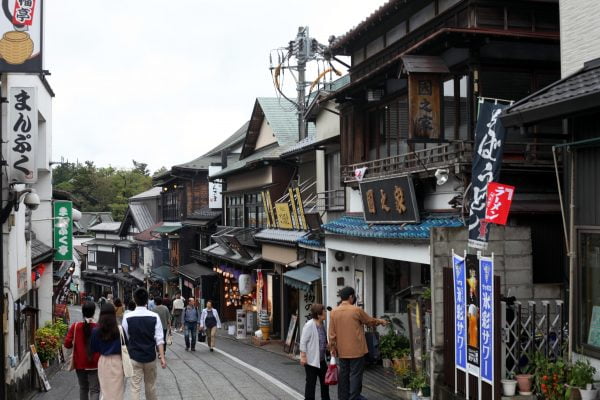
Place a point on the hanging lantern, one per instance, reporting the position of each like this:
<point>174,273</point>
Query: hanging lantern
<point>245,284</point>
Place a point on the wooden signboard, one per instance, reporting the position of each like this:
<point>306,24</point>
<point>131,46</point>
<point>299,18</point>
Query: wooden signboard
<point>289,340</point>
<point>424,107</point>
<point>284,218</point>
<point>40,370</point>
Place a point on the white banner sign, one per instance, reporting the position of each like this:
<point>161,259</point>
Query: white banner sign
<point>215,198</point>
<point>22,134</point>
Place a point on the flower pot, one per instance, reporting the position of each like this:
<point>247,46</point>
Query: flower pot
<point>524,382</point>
<point>387,363</point>
<point>45,364</point>
<point>588,394</point>
<point>265,331</point>
<point>509,387</point>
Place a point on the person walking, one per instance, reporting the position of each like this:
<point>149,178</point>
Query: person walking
<point>144,333</point>
<point>348,343</point>
<point>165,319</point>
<point>151,303</point>
<point>313,350</point>
<point>177,310</point>
<point>191,319</point>
<point>130,307</point>
<point>106,340</point>
<point>84,359</point>
<point>210,322</point>
<point>119,310</point>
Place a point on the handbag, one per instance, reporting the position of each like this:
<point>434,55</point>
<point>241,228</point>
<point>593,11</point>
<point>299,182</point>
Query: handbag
<point>169,338</point>
<point>71,363</point>
<point>331,376</point>
<point>202,336</point>
<point>127,366</point>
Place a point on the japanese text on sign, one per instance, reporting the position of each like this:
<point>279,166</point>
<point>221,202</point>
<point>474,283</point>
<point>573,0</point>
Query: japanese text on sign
<point>389,200</point>
<point>63,231</point>
<point>499,199</point>
<point>460,344</point>
<point>23,12</point>
<point>23,131</point>
<point>486,290</point>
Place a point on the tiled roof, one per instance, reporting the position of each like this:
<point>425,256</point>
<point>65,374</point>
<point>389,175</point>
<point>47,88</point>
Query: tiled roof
<point>577,86</point>
<point>268,153</point>
<point>148,234</point>
<point>148,194</point>
<point>106,227</point>
<point>81,249</point>
<point>307,241</point>
<point>205,213</point>
<point>195,271</point>
<point>283,119</point>
<point>89,219</point>
<point>279,235</point>
<point>356,226</point>
<point>305,143</point>
<point>141,216</point>
<point>40,252</point>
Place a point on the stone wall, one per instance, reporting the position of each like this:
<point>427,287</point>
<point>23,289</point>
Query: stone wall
<point>512,251</point>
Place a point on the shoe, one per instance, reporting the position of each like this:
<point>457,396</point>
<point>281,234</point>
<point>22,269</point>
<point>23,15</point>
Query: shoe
<point>187,349</point>
<point>211,349</point>
<point>193,349</point>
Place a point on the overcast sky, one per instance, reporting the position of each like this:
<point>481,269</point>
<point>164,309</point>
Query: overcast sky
<point>163,82</point>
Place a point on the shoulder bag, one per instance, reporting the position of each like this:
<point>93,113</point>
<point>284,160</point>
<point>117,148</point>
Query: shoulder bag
<point>71,363</point>
<point>127,366</point>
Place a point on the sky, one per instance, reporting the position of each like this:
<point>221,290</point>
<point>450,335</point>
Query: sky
<point>162,82</point>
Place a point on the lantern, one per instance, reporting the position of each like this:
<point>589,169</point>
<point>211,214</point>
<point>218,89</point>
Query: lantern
<point>245,284</point>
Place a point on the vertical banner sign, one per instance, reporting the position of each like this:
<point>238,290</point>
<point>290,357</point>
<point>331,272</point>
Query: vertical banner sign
<point>472,271</point>
<point>499,199</point>
<point>215,197</point>
<point>63,231</point>
<point>424,106</point>
<point>487,159</point>
<point>486,294</point>
<point>460,333</point>
<point>22,134</point>
<point>21,36</point>
<point>259,289</point>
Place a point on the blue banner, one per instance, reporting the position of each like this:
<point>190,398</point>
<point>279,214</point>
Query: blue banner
<point>460,307</point>
<point>486,295</point>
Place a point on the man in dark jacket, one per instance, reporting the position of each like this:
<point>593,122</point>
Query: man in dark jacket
<point>191,319</point>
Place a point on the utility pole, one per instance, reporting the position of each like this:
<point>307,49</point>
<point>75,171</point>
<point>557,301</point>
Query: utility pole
<point>302,55</point>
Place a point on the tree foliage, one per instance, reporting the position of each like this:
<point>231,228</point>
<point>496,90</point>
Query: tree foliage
<point>102,188</point>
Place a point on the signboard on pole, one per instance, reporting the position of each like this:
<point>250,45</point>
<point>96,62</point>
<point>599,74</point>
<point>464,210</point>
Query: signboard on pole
<point>487,159</point>
<point>63,231</point>
<point>486,333</point>
<point>22,134</point>
<point>460,307</point>
<point>499,199</point>
<point>21,31</point>
<point>215,189</point>
<point>472,268</point>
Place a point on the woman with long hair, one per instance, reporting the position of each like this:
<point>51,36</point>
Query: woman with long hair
<point>119,310</point>
<point>106,340</point>
<point>84,359</point>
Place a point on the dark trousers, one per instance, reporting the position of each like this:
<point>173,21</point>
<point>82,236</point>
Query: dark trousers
<point>89,386</point>
<point>165,339</point>
<point>312,374</point>
<point>350,375</point>
<point>190,329</point>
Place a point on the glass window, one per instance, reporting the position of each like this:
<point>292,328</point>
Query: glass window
<point>375,46</point>
<point>589,294</point>
<point>255,213</point>
<point>396,276</point>
<point>455,108</point>
<point>396,33</point>
<point>92,257</point>
<point>235,211</point>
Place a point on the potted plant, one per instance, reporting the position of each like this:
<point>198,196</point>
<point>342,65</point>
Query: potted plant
<point>47,343</point>
<point>401,358</point>
<point>509,385</point>
<point>417,383</point>
<point>387,347</point>
<point>550,377</point>
<point>581,378</point>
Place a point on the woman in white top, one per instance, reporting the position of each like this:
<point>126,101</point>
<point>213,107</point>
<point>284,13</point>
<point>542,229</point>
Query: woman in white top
<point>210,321</point>
<point>313,348</point>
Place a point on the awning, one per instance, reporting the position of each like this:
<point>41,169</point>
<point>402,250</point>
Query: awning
<point>97,277</point>
<point>303,277</point>
<point>138,273</point>
<point>194,271</point>
<point>168,227</point>
<point>163,274</point>
<point>215,250</point>
<point>128,244</point>
<point>127,278</point>
<point>279,254</point>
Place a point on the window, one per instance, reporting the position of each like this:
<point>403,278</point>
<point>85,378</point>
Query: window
<point>255,213</point>
<point>388,129</point>
<point>455,108</point>
<point>396,33</point>
<point>92,257</point>
<point>107,259</point>
<point>235,211</point>
<point>589,291</point>
<point>172,205</point>
<point>396,276</point>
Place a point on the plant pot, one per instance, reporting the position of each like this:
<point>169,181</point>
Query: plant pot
<point>415,396</point>
<point>588,394</point>
<point>524,382</point>
<point>265,331</point>
<point>509,387</point>
<point>45,364</point>
<point>387,363</point>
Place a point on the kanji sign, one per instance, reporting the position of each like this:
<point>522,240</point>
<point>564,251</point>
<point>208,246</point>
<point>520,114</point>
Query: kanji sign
<point>424,106</point>
<point>473,314</point>
<point>284,217</point>
<point>499,199</point>
<point>23,135</point>
<point>460,307</point>
<point>63,231</point>
<point>487,159</point>
<point>23,12</point>
<point>486,332</point>
<point>215,198</point>
<point>389,200</point>
<point>21,36</point>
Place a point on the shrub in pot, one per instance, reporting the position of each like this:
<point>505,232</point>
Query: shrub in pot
<point>581,378</point>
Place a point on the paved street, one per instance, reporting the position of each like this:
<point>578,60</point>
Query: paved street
<point>234,371</point>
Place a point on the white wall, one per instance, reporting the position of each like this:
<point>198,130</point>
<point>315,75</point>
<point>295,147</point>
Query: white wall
<point>265,136</point>
<point>327,123</point>
<point>579,33</point>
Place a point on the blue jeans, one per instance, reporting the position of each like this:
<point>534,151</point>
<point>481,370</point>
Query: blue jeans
<point>190,328</point>
<point>350,375</point>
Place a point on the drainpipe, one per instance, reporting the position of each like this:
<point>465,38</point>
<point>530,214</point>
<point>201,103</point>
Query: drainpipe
<point>572,253</point>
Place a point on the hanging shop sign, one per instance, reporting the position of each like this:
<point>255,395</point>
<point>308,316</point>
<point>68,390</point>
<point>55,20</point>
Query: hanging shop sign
<point>499,199</point>
<point>472,270</point>
<point>460,307</point>
<point>63,231</point>
<point>486,333</point>
<point>21,45</point>
<point>215,189</point>
<point>424,107</point>
<point>389,200</point>
<point>487,159</point>
<point>23,134</point>
<point>284,217</point>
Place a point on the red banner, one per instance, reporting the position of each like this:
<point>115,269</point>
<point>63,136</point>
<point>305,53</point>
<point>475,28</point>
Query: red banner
<point>499,199</point>
<point>23,12</point>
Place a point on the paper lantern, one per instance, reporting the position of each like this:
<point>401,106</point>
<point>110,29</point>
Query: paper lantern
<point>245,283</point>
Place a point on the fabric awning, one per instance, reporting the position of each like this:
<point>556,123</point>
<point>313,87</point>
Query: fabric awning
<point>167,227</point>
<point>303,277</point>
<point>194,271</point>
